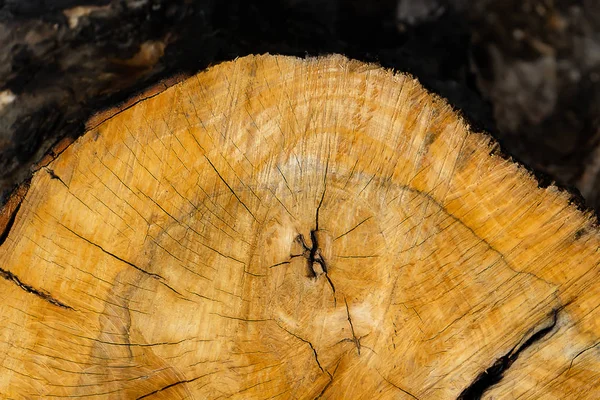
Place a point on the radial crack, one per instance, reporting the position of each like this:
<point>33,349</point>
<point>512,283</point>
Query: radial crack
<point>495,373</point>
<point>230,188</point>
<point>323,194</point>
<point>328,385</point>
<point>180,382</point>
<point>9,276</point>
<point>307,342</point>
<point>158,277</point>
<point>399,388</point>
<point>54,176</point>
<point>354,338</point>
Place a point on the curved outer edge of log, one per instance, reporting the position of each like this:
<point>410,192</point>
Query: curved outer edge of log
<point>574,196</point>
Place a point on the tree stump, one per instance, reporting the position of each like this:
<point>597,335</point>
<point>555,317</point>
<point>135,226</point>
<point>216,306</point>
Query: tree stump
<point>279,228</point>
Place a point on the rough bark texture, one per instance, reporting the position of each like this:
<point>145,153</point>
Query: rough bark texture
<point>535,61</point>
<point>286,228</point>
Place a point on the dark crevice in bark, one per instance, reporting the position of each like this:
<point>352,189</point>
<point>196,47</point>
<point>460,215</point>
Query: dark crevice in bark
<point>495,373</point>
<point>11,209</point>
<point>9,276</point>
<point>9,225</point>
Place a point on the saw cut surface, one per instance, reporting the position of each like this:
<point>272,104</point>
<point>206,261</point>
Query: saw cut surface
<point>279,228</point>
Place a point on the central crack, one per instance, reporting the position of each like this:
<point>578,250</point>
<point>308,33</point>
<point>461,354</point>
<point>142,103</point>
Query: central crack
<point>314,257</point>
<point>313,254</point>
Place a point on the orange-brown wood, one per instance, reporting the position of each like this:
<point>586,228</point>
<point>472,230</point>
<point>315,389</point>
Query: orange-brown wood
<point>279,228</point>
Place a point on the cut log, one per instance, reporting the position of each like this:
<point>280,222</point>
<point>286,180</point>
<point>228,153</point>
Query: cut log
<point>280,228</point>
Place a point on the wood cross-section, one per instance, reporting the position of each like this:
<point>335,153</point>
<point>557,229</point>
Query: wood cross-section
<point>279,228</point>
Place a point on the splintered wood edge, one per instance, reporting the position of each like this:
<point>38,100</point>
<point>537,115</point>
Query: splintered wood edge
<point>585,219</point>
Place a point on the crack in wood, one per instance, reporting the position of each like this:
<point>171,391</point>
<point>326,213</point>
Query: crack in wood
<point>151,274</point>
<point>230,188</point>
<point>396,386</point>
<point>354,338</point>
<point>313,253</point>
<point>593,346</point>
<point>158,277</point>
<point>9,276</point>
<point>307,342</point>
<point>495,373</point>
<point>54,176</point>
<point>313,256</point>
<point>331,376</point>
<point>180,382</point>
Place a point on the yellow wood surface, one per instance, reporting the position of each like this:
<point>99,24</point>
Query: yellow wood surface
<point>279,228</point>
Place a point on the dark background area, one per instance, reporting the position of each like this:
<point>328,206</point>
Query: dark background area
<point>526,71</point>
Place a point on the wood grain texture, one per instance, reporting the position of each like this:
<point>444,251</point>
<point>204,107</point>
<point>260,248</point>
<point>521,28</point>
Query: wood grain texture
<point>285,228</point>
